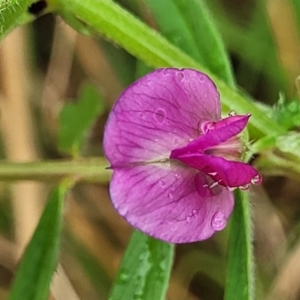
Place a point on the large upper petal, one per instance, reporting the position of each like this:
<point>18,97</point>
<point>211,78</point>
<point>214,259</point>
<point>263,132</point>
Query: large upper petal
<point>169,201</point>
<point>159,112</point>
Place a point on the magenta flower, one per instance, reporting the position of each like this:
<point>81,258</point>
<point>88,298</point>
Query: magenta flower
<point>175,161</point>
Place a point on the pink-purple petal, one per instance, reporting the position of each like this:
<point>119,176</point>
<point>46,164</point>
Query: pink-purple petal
<point>161,111</point>
<point>223,130</point>
<point>167,201</point>
<point>226,172</point>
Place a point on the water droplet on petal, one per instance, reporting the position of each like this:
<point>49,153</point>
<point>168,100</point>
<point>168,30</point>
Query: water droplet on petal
<point>180,76</point>
<point>207,126</point>
<point>141,115</point>
<point>162,183</point>
<point>218,221</point>
<point>170,195</point>
<point>194,211</point>
<point>160,115</point>
<point>244,187</point>
<point>201,78</point>
<point>231,189</point>
<point>175,142</point>
<point>257,179</point>
<point>177,175</point>
<point>188,218</point>
<point>232,113</point>
<point>166,71</point>
<point>214,184</point>
<point>212,173</point>
<point>173,228</point>
<point>122,210</point>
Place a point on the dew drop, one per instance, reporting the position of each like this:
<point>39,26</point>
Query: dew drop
<point>162,183</point>
<point>218,221</point>
<point>201,78</point>
<point>175,142</point>
<point>207,126</point>
<point>170,195</point>
<point>177,175</point>
<point>257,179</point>
<point>173,228</point>
<point>194,211</point>
<point>160,115</point>
<point>212,173</point>
<point>244,187</point>
<point>165,71</point>
<point>124,277</point>
<point>232,113</point>
<point>231,189</point>
<point>122,210</point>
<point>141,115</point>
<point>188,219</point>
<point>180,76</point>
<point>214,184</point>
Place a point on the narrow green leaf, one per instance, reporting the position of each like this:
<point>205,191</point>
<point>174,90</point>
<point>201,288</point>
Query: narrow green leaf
<point>107,17</point>
<point>38,264</point>
<point>173,25</point>
<point>296,9</point>
<point>240,277</point>
<point>76,118</point>
<point>189,25</point>
<point>12,13</point>
<point>145,269</point>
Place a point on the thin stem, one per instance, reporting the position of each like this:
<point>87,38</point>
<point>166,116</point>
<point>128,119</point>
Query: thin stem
<point>84,169</point>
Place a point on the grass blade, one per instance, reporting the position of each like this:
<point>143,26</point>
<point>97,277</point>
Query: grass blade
<point>38,264</point>
<point>240,277</point>
<point>145,269</point>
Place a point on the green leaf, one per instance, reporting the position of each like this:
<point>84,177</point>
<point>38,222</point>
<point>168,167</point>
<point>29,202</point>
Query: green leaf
<point>76,118</point>
<point>115,23</point>
<point>145,269</point>
<point>39,261</point>
<point>12,14</point>
<point>287,113</point>
<point>240,277</point>
<point>296,6</point>
<point>189,25</point>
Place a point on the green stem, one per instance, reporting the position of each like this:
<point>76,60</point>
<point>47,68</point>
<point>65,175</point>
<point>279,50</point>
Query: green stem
<point>240,275</point>
<point>84,169</point>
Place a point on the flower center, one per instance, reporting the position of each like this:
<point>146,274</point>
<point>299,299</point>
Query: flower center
<point>231,149</point>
